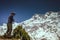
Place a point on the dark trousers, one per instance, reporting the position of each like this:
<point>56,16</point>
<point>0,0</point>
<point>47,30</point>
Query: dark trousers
<point>9,29</point>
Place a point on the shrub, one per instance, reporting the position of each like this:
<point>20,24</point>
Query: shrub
<point>19,32</point>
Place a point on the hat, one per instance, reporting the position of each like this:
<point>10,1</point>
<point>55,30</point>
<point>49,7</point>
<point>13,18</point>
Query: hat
<point>13,13</point>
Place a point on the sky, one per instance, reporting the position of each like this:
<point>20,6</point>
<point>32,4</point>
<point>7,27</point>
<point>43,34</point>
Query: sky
<point>25,9</point>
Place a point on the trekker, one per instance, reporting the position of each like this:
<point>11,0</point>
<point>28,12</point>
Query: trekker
<point>9,24</point>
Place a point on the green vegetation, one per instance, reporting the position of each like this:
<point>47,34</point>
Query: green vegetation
<point>19,32</point>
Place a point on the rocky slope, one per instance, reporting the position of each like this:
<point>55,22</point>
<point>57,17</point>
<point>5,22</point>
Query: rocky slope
<point>43,27</point>
<point>40,27</point>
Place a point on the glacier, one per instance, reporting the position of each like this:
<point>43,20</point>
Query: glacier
<point>40,27</point>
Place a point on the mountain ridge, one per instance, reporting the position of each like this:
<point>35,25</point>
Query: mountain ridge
<point>40,27</point>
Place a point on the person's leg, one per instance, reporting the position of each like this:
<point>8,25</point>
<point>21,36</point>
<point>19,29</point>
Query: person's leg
<point>7,29</point>
<point>10,29</point>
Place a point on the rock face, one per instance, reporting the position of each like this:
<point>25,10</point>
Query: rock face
<point>42,27</point>
<point>46,27</point>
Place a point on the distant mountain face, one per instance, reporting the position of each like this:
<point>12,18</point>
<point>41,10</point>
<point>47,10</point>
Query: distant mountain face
<point>42,27</point>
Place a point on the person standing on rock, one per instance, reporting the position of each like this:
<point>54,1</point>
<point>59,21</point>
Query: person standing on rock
<point>9,24</point>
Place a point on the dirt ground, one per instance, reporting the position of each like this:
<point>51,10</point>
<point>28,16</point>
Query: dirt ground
<point>3,38</point>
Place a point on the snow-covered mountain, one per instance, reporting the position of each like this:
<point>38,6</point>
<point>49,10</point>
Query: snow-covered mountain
<point>42,27</point>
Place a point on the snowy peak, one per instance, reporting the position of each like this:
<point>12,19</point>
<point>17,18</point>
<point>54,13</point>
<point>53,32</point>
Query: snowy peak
<point>48,15</point>
<point>51,14</point>
<point>39,26</point>
<point>38,18</point>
